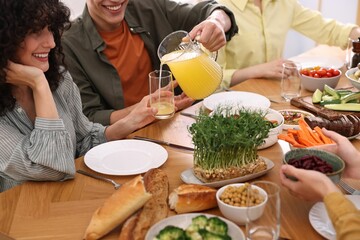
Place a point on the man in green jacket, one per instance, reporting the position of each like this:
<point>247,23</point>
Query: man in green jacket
<point>112,47</point>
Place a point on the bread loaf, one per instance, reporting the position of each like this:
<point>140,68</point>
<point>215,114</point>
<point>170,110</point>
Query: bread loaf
<point>130,197</point>
<point>346,125</point>
<point>157,183</point>
<point>192,198</point>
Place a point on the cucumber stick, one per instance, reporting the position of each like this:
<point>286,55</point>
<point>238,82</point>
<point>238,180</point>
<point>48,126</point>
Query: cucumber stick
<point>355,107</point>
<point>331,91</point>
<point>326,102</point>
<point>350,97</point>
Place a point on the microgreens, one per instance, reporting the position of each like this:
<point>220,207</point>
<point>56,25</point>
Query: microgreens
<point>228,138</point>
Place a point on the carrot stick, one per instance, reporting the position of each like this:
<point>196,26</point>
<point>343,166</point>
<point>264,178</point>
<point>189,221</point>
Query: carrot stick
<point>287,138</point>
<point>324,138</point>
<point>303,139</point>
<point>290,140</point>
<point>317,138</point>
<point>308,132</point>
<point>293,131</point>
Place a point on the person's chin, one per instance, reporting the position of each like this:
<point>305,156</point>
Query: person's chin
<point>44,67</point>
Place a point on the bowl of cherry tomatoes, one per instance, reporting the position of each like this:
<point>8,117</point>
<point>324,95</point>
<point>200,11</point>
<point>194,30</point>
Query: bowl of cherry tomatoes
<point>313,78</point>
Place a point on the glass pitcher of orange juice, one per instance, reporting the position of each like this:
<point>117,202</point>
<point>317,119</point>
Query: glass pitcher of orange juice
<point>193,66</point>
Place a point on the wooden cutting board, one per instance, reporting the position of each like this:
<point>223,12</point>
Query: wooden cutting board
<point>316,109</point>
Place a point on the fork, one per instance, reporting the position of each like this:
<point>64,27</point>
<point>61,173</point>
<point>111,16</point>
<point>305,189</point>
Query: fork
<point>116,185</point>
<point>348,188</point>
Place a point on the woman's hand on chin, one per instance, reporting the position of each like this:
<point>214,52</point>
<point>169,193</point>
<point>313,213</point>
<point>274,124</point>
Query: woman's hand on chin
<point>18,74</point>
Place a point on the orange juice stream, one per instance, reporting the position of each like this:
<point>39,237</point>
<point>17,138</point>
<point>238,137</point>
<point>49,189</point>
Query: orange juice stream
<point>197,74</point>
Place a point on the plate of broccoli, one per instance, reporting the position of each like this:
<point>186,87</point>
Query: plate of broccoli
<point>194,226</point>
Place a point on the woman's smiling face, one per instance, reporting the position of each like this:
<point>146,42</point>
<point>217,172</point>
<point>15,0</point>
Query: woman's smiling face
<point>107,14</point>
<point>34,50</point>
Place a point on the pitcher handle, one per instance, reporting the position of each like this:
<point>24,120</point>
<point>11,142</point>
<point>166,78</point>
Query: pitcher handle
<point>212,55</point>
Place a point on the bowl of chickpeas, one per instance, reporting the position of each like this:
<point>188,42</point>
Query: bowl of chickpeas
<point>234,200</point>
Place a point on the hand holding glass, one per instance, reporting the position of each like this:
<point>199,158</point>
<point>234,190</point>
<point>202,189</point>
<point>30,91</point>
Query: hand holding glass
<point>162,93</point>
<point>290,81</point>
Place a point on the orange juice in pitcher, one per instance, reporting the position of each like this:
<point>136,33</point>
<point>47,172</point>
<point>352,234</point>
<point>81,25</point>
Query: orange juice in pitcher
<point>197,74</point>
<point>193,67</point>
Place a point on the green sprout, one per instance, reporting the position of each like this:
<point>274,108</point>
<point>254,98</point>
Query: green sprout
<point>228,137</point>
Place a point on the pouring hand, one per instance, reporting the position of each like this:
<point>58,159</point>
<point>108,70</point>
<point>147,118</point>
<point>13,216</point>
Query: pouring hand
<point>212,30</point>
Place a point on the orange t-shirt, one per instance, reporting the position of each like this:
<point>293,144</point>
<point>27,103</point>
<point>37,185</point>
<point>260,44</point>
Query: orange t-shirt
<point>127,53</point>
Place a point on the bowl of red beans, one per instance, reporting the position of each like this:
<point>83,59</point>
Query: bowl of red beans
<point>313,78</point>
<point>316,159</point>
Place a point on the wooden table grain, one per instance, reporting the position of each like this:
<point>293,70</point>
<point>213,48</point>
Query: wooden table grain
<point>62,210</point>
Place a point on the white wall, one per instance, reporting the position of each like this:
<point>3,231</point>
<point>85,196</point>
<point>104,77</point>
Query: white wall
<point>76,6</point>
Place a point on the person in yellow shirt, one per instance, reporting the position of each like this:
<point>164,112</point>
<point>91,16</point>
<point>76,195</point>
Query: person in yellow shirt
<point>256,51</point>
<point>316,186</point>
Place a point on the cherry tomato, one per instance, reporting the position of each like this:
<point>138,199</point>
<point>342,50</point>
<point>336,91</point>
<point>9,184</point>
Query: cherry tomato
<point>305,72</point>
<point>329,74</point>
<point>336,72</point>
<point>316,75</point>
<point>322,72</point>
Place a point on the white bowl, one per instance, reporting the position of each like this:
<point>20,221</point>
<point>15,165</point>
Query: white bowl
<point>353,81</point>
<point>311,83</point>
<point>274,132</point>
<point>239,215</point>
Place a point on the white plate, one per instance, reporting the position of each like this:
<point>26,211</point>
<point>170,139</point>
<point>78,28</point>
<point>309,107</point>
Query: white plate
<point>320,220</point>
<point>293,126</point>
<point>354,136</point>
<point>312,61</point>
<point>188,176</point>
<point>125,157</point>
<point>184,220</point>
<point>236,99</point>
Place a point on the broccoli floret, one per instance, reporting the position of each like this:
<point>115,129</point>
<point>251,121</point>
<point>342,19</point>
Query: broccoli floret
<point>206,235</point>
<point>199,221</point>
<point>194,235</point>
<point>171,233</point>
<point>217,226</point>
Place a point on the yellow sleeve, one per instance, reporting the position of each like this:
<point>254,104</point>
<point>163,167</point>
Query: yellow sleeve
<point>344,216</point>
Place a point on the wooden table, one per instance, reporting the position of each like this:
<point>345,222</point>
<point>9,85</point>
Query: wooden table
<point>62,210</point>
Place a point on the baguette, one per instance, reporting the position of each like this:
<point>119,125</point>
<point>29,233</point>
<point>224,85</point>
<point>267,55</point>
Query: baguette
<point>192,198</point>
<point>157,183</point>
<point>117,208</point>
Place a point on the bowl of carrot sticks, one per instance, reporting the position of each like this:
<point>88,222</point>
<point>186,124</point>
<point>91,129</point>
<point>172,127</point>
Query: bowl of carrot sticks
<point>305,137</point>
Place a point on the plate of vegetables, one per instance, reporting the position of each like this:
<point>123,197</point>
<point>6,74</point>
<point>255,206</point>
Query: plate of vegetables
<point>194,226</point>
<point>292,116</point>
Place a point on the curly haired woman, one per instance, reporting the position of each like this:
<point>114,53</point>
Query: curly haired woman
<point>41,121</point>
